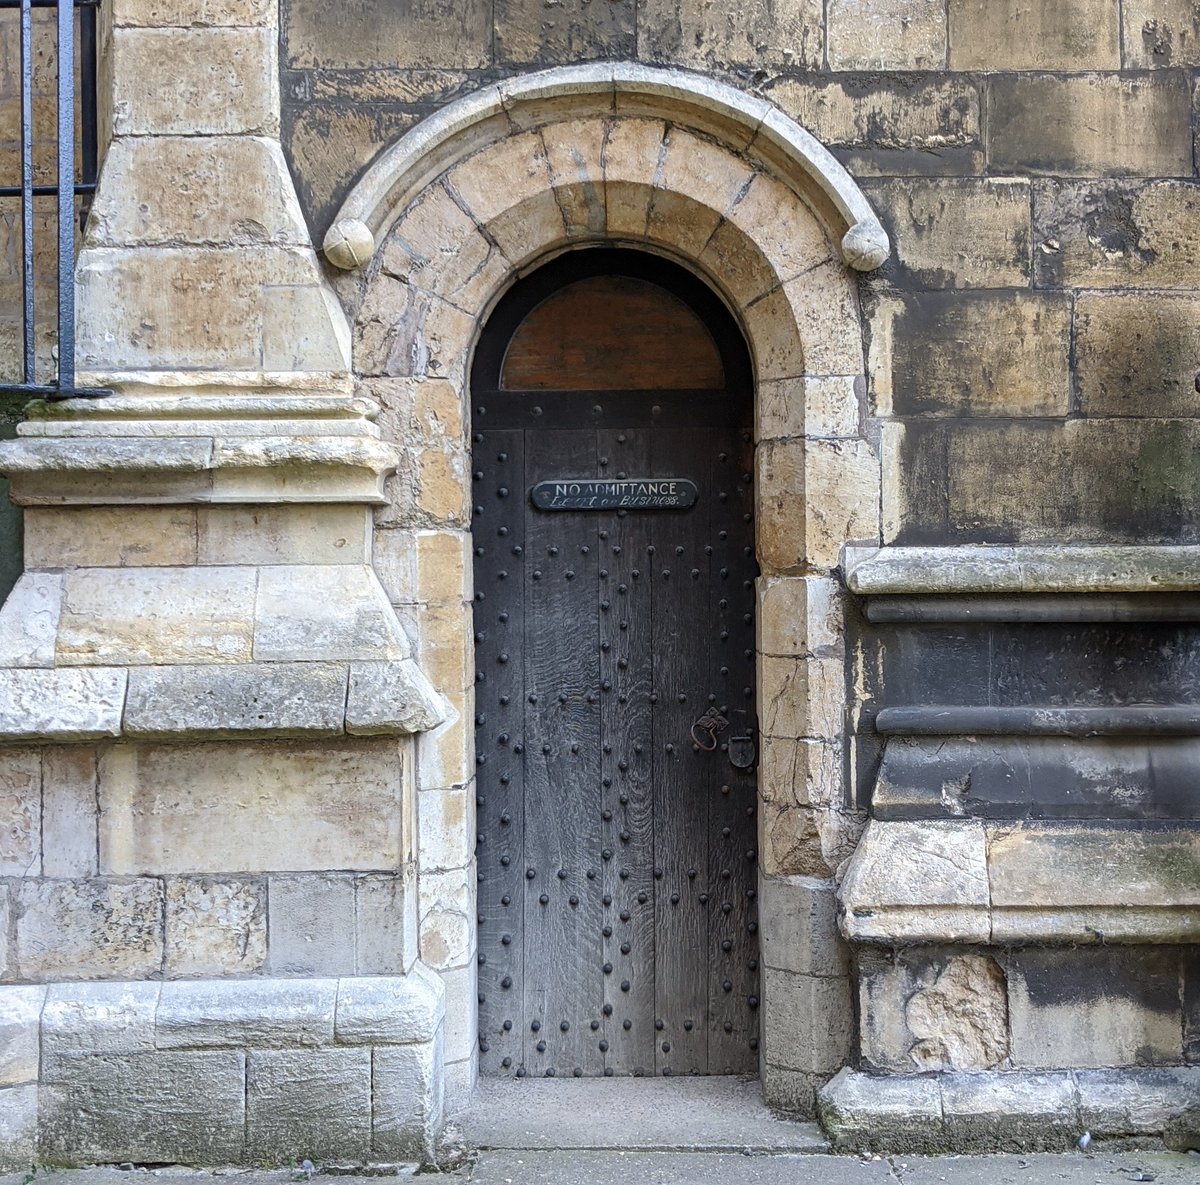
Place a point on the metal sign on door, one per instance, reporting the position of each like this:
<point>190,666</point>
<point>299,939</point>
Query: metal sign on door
<point>644,493</point>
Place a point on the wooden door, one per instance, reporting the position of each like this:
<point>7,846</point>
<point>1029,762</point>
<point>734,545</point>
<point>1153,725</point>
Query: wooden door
<point>615,724</point>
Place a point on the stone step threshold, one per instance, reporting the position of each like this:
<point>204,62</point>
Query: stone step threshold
<point>709,1114</point>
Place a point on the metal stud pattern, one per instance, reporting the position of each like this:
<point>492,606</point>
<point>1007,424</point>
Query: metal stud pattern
<point>617,865</point>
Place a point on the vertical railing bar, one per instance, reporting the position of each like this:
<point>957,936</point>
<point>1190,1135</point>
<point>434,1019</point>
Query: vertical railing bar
<point>87,82</point>
<point>66,195</point>
<point>27,277</point>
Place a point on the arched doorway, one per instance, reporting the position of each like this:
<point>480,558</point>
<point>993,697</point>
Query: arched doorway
<point>616,736</point>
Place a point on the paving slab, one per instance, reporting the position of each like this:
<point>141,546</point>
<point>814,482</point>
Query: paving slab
<point>718,1114</point>
<point>1050,1168</point>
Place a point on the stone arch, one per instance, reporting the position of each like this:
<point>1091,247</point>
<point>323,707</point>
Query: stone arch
<point>493,187</point>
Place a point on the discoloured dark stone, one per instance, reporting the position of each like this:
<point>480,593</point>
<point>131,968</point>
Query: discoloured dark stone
<point>537,32</point>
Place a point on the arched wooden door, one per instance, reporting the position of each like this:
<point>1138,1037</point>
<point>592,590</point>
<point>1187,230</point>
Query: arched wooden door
<point>615,720</point>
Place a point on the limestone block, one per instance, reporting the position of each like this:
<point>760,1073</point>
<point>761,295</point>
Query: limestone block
<point>899,1113</point>
<point>219,308</point>
<point>20,812</point>
<point>390,1010</point>
<point>1115,234</point>
<point>462,1013</point>
<point>800,772</point>
<point>1088,125</point>
<point>103,536</point>
<point>446,754</point>
<point>710,176</point>
<point>86,929</point>
<point>29,619</point>
<point>89,1022</point>
<point>304,534</point>
<point>892,35</point>
<point>956,233</point>
<point>219,206</point>
<point>241,807</point>
<point>215,927</point>
<point>884,125</point>
<point>1116,1103</point>
<point>445,646</point>
<point>5,921</point>
<point>446,822</point>
<point>199,81</point>
<point>447,906</point>
<point>310,925</point>
<point>1132,352</point>
<point>18,1127</point>
<point>1110,1006</point>
<point>20,1048</point>
<point>790,841</point>
<point>931,1011</point>
<point>813,406</point>
<point>374,33</point>
<point>231,1013</point>
<point>1160,33</point>
<point>790,1090</point>
<point>174,13</point>
<point>301,698</point>
<point>972,354</point>
<point>432,566</point>
<point>808,1021</point>
<point>909,882</point>
<point>1010,1112</point>
<point>757,34</point>
<point>156,615</point>
<point>163,1108</point>
<point>407,1096</point>
<point>459,1080</point>
<point>385,924</point>
<point>824,303</point>
<point>1042,35</point>
<point>799,615</point>
<point>391,697</point>
<point>308,1104</point>
<point>575,153</point>
<point>802,697</point>
<point>520,159</point>
<point>61,705</point>
<point>526,34</point>
<point>333,612</point>
<point>799,926</point>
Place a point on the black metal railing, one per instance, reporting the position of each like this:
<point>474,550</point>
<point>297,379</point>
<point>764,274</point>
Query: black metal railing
<point>76,153</point>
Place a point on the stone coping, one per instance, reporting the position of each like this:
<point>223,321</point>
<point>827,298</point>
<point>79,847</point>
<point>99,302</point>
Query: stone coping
<point>1016,1111</point>
<point>1022,569</point>
<point>1011,884</point>
<point>566,92</point>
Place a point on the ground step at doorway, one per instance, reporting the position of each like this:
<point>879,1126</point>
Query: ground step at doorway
<point>711,1114</point>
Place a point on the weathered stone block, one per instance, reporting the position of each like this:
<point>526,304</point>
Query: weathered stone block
<point>156,615</point>
<point>814,406</point>
<point>230,701</point>
<point>1136,354</point>
<point>447,905</point>
<point>972,354</point>
<point>799,616</point>
<point>102,536</point>
<point>790,842</point>
<point>165,1108</point>
<point>1009,1112</point>
<point>801,697</point>
<point>304,534</point>
<point>960,233</point>
<point>462,1013</point>
<point>85,1022</point>
<point>790,1090</point>
<point>800,772</point>
<point>446,754</point>
<point>183,809</point>
<point>1042,35</point>
<point>62,705</point>
<point>390,1010</point>
<point>924,1011</point>
<point>391,697</point>
<point>20,1046</point>
<point>215,927</point>
<point>87,929</point>
<point>1088,125</point>
<point>528,33</point>
<point>29,619</point>
<point>20,812</point>
<point>1139,1103</point>
<point>190,13</point>
<point>385,924</point>
<point>725,34</point>
<point>195,82</point>
<point>446,827</point>
<point>799,927</point>
<point>808,1021</point>
<point>1114,234</point>
<point>1108,1006</point>
<point>407,1092</point>
<point>898,1113</point>
<point>886,35</point>
<point>369,34</point>
<point>216,1013</point>
<point>1160,33</point>
<point>313,1104</point>
<point>18,1127</point>
<point>310,925</point>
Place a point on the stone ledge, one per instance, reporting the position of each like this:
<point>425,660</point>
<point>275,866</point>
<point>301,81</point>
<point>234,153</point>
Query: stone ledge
<point>966,881</point>
<point>1010,1111</point>
<point>1021,569</point>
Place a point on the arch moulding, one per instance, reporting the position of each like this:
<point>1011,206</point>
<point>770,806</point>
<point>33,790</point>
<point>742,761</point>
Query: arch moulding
<point>430,237</point>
